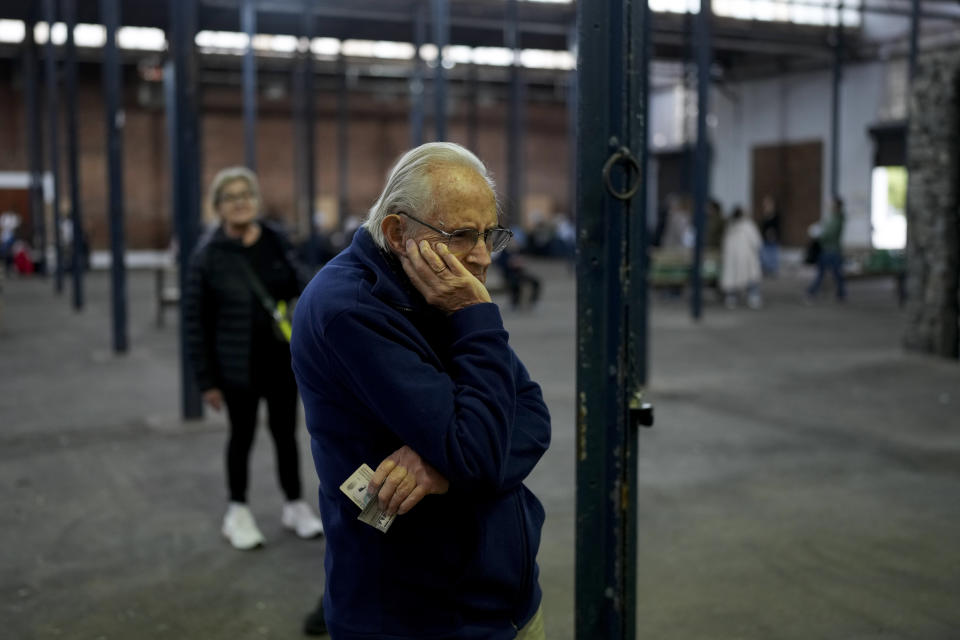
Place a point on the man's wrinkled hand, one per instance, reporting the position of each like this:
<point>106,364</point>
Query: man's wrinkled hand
<point>441,278</point>
<point>406,480</point>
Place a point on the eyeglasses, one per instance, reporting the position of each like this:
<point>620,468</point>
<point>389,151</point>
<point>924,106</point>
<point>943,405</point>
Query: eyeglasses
<point>464,240</point>
<point>230,198</point>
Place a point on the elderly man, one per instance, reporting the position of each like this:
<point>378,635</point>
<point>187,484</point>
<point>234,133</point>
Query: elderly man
<point>403,364</point>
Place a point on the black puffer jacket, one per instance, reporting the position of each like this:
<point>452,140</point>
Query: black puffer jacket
<point>219,305</point>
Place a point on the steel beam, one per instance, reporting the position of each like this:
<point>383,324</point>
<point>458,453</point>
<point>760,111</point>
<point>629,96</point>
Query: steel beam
<point>701,178</point>
<point>343,138</point>
<point>637,411</point>
<point>835,108</point>
<point>399,17</point>
<point>572,96</point>
<point>308,129</point>
<point>611,313</point>
<point>914,36</point>
<point>417,81</point>
<point>441,36</point>
<point>473,107</point>
<point>515,135</point>
<point>78,264</point>
<point>112,87</point>
<point>248,22</point>
<point>53,138</point>
<point>180,84</point>
<point>31,83</point>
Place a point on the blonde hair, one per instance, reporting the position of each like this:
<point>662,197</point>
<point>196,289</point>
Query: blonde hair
<point>408,185</point>
<point>226,176</point>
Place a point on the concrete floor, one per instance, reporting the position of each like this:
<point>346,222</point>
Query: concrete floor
<point>802,480</point>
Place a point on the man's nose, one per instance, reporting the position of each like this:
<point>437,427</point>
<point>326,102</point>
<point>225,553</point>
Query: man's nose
<point>480,254</point>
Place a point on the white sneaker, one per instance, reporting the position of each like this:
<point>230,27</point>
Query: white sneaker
<point>240,528</point>
<point>298,516</point>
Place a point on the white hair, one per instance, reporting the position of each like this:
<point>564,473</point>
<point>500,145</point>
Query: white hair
<point>408,185</point>
<point>228,175</point>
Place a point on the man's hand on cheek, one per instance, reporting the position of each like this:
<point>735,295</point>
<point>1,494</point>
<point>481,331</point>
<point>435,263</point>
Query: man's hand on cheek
<point>441,278</point>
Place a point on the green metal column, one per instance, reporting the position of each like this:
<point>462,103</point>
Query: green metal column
<point>183,128</point>
<point>611,310</point>
<point>53,138</point>
<point>113,101</point>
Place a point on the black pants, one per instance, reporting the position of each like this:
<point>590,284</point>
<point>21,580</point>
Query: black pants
<point>280,392</point>
<point>516,281</point>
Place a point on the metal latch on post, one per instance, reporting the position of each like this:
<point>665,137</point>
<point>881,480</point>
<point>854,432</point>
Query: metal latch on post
<point>640,413</point>
<point>625,157</point>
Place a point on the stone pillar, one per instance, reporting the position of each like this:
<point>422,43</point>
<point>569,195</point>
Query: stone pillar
<point>933,207</point>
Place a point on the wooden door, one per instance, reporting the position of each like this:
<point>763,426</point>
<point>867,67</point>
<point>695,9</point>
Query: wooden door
<point>793,175</point>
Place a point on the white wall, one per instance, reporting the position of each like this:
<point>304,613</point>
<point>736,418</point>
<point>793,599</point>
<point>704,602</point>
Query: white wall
<point>793,108</point>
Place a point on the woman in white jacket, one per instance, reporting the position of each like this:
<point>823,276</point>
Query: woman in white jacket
<point>740,270</point>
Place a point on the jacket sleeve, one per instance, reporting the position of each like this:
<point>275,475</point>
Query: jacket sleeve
<point>481,422</point>
<point>200,323</point>
<point>531,431</point>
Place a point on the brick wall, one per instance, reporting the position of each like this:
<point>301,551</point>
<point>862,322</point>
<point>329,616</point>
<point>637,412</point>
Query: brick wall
<point>378,134</point>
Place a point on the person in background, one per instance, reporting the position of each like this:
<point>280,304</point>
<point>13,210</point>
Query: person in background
<point>404,365</point>
<point>770,232</point>
<point>517,277</point>
<point>713,236</point>
<point>241,271</point>
<point>9,222</point>
<point>740,270</point>
<point>831,253</point>
<point>678,230</point>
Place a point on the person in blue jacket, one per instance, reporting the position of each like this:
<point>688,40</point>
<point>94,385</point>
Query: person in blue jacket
<point>403,363</point>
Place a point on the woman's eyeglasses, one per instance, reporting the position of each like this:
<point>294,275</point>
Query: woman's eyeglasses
<point>464,240</point>
<point>230,198</point>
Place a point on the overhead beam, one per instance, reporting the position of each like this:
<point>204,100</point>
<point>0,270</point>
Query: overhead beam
<point>360,14</point>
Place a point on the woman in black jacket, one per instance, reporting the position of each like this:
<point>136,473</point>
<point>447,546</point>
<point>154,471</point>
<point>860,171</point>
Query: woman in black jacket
<point>239,271</point>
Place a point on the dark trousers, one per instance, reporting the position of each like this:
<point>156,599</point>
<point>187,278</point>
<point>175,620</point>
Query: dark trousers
<point>280,392</point>
<point>832,261</point>
<point>515,283</point>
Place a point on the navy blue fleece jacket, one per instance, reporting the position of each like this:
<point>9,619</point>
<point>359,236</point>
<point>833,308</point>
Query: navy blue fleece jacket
<point>378,369</point>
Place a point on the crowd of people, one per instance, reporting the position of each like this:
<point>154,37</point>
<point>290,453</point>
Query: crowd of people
<point>747,249</point>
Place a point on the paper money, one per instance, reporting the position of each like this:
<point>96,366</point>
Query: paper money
<point>376,517</point>
<point>355,488</point>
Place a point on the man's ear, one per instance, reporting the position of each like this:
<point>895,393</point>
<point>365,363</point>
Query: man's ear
<point>392,228</point>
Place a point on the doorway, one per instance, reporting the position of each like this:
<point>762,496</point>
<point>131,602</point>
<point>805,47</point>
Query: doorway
<point>793,175</point>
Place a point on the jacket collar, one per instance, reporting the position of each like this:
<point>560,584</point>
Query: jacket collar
<point>390,283</point>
